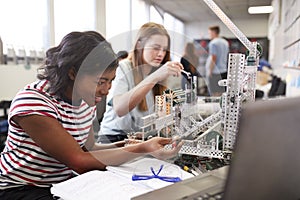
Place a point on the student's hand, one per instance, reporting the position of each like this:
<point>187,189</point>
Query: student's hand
<point>170,68</point>
<point>132,141</point>
<point>155,147</point>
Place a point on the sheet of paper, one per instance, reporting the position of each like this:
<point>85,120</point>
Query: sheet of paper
<point>95,185</point>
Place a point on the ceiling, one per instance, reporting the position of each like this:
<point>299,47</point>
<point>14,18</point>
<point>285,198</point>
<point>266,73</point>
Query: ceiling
<point>196,10</point>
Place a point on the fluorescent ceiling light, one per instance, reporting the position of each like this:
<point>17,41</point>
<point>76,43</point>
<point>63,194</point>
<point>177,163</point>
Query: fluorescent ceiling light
<point>260,9</point>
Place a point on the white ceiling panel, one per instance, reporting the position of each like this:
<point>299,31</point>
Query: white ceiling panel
<point>197,10</point>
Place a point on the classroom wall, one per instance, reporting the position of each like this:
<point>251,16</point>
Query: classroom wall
<point>285,43</point>
<point>15,77</point>
<point>250,27</point>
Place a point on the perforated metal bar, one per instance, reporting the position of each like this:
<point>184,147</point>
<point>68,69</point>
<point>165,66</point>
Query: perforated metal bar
<point>234,29</point>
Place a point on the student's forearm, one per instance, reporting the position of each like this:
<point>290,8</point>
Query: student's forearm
<point>154,147</point>
<point>211,68</point>
<point>126,102</point>
<point>107,146</point>
<point>117,156</point>
<point>212,64</point>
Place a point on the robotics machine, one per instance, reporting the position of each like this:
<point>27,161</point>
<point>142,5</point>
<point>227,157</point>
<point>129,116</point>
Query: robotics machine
<point>178,115</point>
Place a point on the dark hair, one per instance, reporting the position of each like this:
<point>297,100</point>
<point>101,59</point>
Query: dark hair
<point>145,32</point>
<point>86,51</point>
<point>215,29</point>
<point>122,54</point>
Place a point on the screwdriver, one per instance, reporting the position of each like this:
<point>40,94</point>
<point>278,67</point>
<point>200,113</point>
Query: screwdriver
<point>185,168</point>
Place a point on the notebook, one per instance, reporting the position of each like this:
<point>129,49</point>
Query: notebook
<point>265,162</point>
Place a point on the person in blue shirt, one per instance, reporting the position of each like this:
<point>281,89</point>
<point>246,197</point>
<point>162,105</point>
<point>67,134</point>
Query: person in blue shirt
<point>216,64</point>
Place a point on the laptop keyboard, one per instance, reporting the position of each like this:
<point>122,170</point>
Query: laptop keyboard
<point>208,196</point>
<point>213,193</point>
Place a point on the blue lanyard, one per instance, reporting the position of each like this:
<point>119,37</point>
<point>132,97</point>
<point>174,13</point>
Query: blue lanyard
<point>156,175</point>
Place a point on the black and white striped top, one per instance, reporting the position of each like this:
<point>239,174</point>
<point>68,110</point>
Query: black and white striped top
<point>23,162</point>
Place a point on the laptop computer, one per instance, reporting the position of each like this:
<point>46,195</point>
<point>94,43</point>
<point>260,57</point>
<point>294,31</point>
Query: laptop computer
<point>265,162</point>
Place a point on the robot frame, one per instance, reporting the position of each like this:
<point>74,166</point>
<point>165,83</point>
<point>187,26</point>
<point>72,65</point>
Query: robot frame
<point>177,113</point>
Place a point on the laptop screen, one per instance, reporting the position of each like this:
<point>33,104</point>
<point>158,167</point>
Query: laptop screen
<point>266,157</point>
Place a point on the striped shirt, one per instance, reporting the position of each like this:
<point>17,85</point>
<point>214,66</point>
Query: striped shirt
<point>23,162</point>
